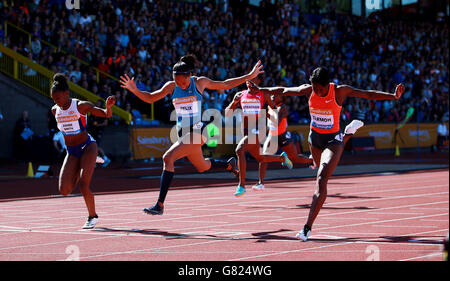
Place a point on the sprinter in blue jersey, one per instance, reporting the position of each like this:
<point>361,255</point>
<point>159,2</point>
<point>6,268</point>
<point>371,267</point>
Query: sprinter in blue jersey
<point>187,97</point>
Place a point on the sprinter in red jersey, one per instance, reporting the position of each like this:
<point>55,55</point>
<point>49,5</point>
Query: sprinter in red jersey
<point>252,110</point>
<point>278,134</point>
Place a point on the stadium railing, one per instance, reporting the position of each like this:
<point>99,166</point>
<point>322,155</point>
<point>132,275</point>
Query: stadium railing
<point>39,78</point>
<point>18,31</point>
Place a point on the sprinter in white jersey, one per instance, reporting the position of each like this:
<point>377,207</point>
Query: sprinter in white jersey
<point>79,163</point>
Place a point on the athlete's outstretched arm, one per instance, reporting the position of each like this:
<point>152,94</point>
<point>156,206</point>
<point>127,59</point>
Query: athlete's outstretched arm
<point>130,85</point>
<point>206,83</point>
<point>349,91</point>
<point>301,90</point>
<point>233,104</point>
<point>88,107</point>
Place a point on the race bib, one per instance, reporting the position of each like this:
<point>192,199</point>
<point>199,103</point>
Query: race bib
<point>186,106</point>
<point>68,124</point>
<point>322,119</point>
<point>251,106</point>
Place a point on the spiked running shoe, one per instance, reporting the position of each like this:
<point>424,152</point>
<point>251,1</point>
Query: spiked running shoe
<point>304,233</point>
<point>287,163</point>
<point>154,210</point>
<point>258,187</point>
<point>90,222</point>
<point>240,191</point>
<point>351,128</point>
<point>232,167</point>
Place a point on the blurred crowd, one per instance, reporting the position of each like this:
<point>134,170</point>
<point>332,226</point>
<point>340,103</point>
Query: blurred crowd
<point>146,38</point>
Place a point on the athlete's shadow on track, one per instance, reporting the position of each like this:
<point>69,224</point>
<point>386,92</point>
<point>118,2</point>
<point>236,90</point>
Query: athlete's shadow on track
<point>267,236</point>
<point>381,239</point>
<point>154,232</point>
<point>307,206</point>
<point>168,235</point>
<point>260,237</point>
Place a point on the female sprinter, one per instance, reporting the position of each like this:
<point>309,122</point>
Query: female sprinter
<point>252,106</point>
<point>325,138</point>
<point>278,133</point>
<point>187,96</point>
<point>78,166</point>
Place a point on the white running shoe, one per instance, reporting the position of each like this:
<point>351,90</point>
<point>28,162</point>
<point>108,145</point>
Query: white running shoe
<point>258,187</point>
<point>90,223</point>
<point>302,235</point>
<point>353,127</point>
<point>99,160</point>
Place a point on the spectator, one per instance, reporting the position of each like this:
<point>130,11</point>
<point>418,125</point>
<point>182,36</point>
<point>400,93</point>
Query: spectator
<point>36,46</point>
<point>22,138</point>
<point>143,40</point>
<point>442,131</point>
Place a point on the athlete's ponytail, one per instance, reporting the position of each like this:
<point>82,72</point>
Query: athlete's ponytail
<point>59,83</point>
<point>185,66</point>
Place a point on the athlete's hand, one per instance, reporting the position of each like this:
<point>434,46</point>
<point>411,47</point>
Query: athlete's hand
<point>110,101</point>
<point>399,90</point>
<point>128,83</point>
<point>252,88</point>
<point>237,97</point>
<point>257,69</point>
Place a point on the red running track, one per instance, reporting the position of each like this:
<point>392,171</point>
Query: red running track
<point>383,217</point>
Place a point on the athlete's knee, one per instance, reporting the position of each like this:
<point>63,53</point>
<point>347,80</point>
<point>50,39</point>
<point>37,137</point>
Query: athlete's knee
<point>202,169</point>
<point>167,158</point>
<point>83,184</point>
<point>321,191</point>
<point>240,150</point>
<point>259,158</point>
<point>84,189</point>
<point>65,189</point>
<point>322,181</point>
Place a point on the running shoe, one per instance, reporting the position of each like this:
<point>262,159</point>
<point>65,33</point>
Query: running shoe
<point>154,210</point>
<point>353,127</point>
<point>232,167</point>
<point>107,161</point>
<point>240,191</point>
<point>258,187</point>
<point>90,222</point>
<point>304,233</point>
<point>287,163</point>
<point>99,160</point>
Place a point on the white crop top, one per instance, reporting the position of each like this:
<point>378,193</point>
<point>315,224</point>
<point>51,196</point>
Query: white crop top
<point>70,121</point>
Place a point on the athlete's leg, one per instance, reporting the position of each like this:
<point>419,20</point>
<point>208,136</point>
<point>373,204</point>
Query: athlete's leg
<point>87,166</point>
<point>177,151</point>
<point>262,172</point>
<point>184,147</point>
<point>241,149</point>
<point>329,159</point>
<point>294,157</point>
<point>267,149</point>
<point>187,147</point>
<point>195,156</point>
<point>69,174</point>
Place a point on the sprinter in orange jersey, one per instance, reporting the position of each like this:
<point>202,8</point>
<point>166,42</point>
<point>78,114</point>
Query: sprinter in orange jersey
<point>326,139</point>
